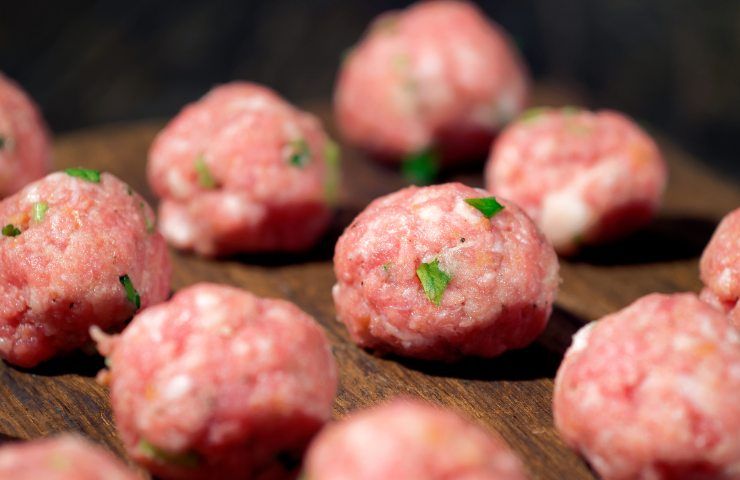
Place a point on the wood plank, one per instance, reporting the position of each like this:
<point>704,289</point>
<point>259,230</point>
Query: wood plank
<point>512,393</point>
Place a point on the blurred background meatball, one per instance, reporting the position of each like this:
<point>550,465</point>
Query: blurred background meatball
<point>672,65</point>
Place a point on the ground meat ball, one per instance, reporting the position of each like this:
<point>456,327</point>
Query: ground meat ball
<point>438,74</point>
<point>241,170</point>
<point>66,457</point>
<point>218,383</point>
<point>503,275</point>
<point>720,267</point>
<point>584,177</point>
<point>409,440</point>
<point>74,252</point>
<point>25,149</point>
<point>651,392</point>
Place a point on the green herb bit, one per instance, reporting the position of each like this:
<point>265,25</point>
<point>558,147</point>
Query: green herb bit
<point>11,230</point>
<point>433,280</point>
<point>387,266</point>
<point>531,115</point>
<point>186,460</point>
<point>129,190</point>
<point>131,294</point>
<point>2,142</point>
<point>205,178</point>
<point>421,168</point>
<point>148,222</point>
<point>488,206</point>
<point>86,174</point>
<point>38,211</point>
<point>569,110</point>
<point>332,157</point>
<point>300,153</point>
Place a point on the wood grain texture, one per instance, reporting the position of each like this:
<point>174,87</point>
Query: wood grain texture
<point>511,394</point>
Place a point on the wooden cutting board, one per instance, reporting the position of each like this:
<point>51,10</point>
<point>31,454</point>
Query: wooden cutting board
<point>512,394</point>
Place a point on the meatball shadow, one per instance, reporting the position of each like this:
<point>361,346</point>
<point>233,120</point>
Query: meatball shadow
<point>7,438</point>
<point>667,238</point>
<point>323,251</point>
<point>77,363</point>
<point>540,359</point>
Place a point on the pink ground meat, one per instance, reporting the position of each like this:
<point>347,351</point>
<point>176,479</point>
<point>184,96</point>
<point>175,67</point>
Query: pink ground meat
<point>241,170</point>
<point>651,392</point>
<point>503,275</point>
<point>720,267</point>
<point>218,383</point>
<point>66,457</point>
<point>409,440</point>
<point>584,177</point>
<point>436,75</point>
<point>67,248</point>
<point>25,149</point>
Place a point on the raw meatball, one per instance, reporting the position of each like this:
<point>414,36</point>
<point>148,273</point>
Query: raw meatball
<point>217,383</point>
<point>77,249</point>
<point>66,457</point>
<point>241,170</point>
<point>436,75</point>
<point>25,149</point>
<point>720,267</point>
<point>651,392</point>
<point>409,440</point>
<point>423,273</point>
<point>583,177</point>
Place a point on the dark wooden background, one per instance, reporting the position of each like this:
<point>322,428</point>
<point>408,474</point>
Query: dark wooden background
<point>674,64</point>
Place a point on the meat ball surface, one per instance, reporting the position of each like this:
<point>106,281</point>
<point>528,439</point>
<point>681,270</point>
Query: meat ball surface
<point>409,440</point>
<point>65,457</point>
<point>25,147</point>
<point>720,267</point>
<point>218,383</point>
<point>77,249</point>
<point>438,75</point>
<point>584,177</point>
<point>651,392</point>
<point>424,272</point>
<point>241,170</point>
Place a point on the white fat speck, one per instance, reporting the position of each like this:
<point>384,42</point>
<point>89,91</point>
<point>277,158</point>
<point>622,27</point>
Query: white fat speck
<point>725,278</point>
<point>206,300</point>
<point>32,194</point>
<point>431,213</point>
<point>544,148</point>
<point>178,229</point>
<point>177,387</point>
<point>565,216</point>
<point>179,145</point>
<point>466,211</point>
<point>177,183</point>
<point>257,102</point>
<point>232,204</point>
<point>580,339</point>
<point>429,65</point>
<point>291,130</point>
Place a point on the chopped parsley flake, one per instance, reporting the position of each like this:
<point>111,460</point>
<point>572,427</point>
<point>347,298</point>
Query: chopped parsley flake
<point>421,168</point>
<point>387,266</point>
<point>186,460</point>
<point>131,294</point>
<point>2,142</point>
<point>300,153</point>
<point>332,156</point>
<point>11,230</point>
<point>205,178</point>
<point>532,114</point>
<point>38,211</point>
<point>433,280</point>
<point>148,222</point>
<point>488,206</point>
<point>86,174</point>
